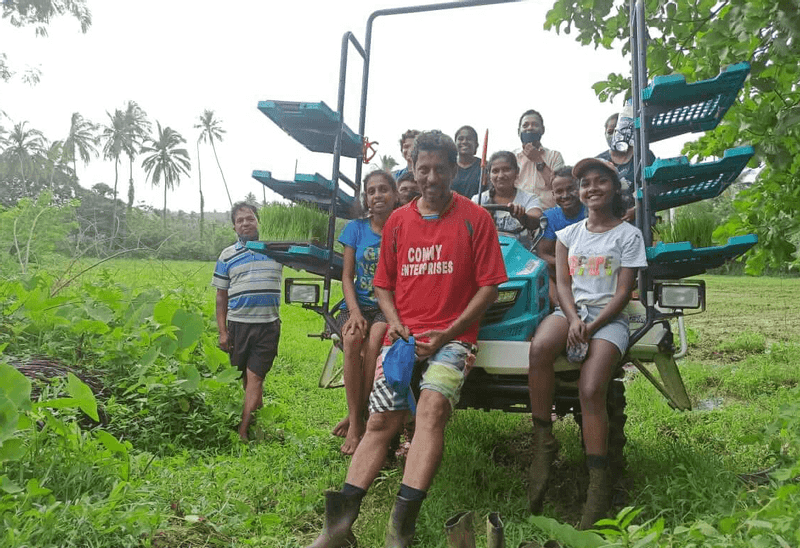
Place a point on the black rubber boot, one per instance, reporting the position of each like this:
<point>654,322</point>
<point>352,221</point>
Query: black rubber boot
<point>340,513</point>
<point>459,531</point>
<point>495,533</point>
<point>598,497</point>
<point>400,532</point>
<point>545,449</point>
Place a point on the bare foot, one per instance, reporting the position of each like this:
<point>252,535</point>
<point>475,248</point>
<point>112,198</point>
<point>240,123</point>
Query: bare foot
<point>353,438</point>
<point>341,427</point>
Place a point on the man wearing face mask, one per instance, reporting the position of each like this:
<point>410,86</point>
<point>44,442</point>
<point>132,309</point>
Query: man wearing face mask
<point>248,295</point>
<point>620,153</point>
<point>537,164</point>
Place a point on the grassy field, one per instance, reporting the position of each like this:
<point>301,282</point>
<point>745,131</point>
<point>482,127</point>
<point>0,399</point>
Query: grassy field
<point>195,485</point>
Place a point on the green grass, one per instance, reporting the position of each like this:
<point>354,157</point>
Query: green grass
<point>210,490</point>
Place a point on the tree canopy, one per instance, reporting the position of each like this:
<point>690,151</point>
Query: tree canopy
<point>38,14</point>
<point>697,38</point>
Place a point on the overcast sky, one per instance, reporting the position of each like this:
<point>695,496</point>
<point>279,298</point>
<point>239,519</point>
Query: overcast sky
<point>481,66</point>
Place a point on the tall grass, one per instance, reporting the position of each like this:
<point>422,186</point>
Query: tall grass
<point>293,222</point>
<point>694,223</point>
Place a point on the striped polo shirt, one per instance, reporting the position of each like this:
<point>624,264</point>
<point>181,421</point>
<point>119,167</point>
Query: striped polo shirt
<point>253,282</point>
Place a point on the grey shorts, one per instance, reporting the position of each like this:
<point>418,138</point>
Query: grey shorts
<point>616,331</point>
<point>444,372</point>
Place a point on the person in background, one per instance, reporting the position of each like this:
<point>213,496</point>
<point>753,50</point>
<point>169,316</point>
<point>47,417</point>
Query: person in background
<point>362,323</point>
<point>439,268</point>
<point>468,177</point>
<point>623,161</point>
<point>568,210</point>
<point>248,296</point>
<point>407,188</point>
<point>596,264</point>
<point>526,210</point>
<point>537,164</point>
<point>406,143</point>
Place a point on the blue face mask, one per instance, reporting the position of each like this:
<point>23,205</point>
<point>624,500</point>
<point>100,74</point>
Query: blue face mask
<point>398,367</point>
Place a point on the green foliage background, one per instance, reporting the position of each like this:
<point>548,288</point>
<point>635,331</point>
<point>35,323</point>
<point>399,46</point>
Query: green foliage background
<point>153,458</point>
<point>697,38</point>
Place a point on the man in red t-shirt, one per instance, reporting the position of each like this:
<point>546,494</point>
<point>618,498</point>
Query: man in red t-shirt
<point>439,268</point>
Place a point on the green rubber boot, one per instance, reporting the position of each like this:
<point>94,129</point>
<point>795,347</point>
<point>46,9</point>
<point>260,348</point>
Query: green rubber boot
<point>400,532</point>
<point>545,449</point>
<point>459,531</point>
<point>495,533</point>
<point>598,497</point>
<point>340,514</point>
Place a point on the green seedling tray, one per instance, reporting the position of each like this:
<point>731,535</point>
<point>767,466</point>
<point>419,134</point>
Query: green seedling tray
<point>674,107</point>
<point>300,256</point>
<point>314,125</point>
<point>309,189</point>
<point>681,260</point>
<point>675,182</point>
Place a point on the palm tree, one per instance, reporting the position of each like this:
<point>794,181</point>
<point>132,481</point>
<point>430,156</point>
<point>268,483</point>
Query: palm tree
<point>210,130</point>
<point>82,141</point>
<point>115,144</point>
<point>166,160</point>
<point>200,187</point>
<point>54,161</point>
<point>137,129</point>
<point>23,146</point>
<point>387,163</point>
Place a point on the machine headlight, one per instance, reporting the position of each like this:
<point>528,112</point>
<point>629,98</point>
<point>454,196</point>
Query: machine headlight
<point>507,296</point>
<point>305,291</point>
<point>681,294</point>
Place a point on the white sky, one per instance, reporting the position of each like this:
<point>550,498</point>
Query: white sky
<point>480,66</point>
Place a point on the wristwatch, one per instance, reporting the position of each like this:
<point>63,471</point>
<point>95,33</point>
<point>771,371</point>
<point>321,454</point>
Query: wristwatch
<point>540,166</point>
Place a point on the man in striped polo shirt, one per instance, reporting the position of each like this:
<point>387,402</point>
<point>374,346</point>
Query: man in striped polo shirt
<point>248,295</point>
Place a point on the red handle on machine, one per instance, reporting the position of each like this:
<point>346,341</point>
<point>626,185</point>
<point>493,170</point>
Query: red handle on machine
<point>368,146</point>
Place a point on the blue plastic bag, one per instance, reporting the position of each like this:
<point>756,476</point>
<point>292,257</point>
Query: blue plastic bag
<point>398,367</point>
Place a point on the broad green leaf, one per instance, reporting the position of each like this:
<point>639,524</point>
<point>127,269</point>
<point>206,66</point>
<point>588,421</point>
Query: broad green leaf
<point>269,520</point>
<point>215,356</point>
<point>190,327</point>
<point>111,443</point>
<point>164,310</point>
<point>12,449</point>
<point>90,326</point>
<point>191,380</point>
<point>229,375</point>
<point>15,386</point>
<point>9,486</point>
<point>99,312</point>
<point>149,357</point>
<point>15,398</point>
<point>566,533</point>
<point>83,396</point>
<point>34,490</point>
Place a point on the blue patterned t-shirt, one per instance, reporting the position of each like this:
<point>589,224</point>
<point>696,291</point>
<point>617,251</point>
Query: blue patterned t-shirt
<point>358,235</point>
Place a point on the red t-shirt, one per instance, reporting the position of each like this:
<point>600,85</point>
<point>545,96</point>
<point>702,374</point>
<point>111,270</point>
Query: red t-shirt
<point>435,266</point>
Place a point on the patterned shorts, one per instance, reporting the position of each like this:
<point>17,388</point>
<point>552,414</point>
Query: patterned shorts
<point>444,372</point>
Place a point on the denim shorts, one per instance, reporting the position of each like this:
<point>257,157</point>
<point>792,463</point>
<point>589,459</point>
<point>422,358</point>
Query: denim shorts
<point>616,331</point>
<point>444,372</point>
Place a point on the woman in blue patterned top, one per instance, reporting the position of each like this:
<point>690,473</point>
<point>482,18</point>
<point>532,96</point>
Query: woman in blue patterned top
<point>361,320</point>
